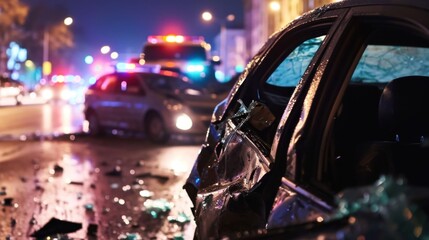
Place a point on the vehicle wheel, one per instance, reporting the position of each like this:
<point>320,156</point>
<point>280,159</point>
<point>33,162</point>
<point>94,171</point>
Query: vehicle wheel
<point>94,128</point>
<point>155,129</point>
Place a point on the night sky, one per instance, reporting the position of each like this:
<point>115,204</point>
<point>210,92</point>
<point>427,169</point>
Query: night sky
<point>125,24</point>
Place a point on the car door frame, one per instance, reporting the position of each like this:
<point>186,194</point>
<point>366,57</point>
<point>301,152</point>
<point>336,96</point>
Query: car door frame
<point>308,137</point>
<point>261,72</point>
<point>104,102</point>
<point>130,104</point>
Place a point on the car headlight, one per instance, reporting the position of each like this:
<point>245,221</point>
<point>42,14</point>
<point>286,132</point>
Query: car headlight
<point>183,122</point>
<point>65,94</point>
<point>47,94</point>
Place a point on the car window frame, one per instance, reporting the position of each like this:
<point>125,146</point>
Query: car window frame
<point>325,123</point>
<point>292,112</point>
<point>264,70</point>
<point>97,86</point>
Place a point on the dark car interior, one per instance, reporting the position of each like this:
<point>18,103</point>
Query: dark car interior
<point>382,126</point>
<point>384,132</point>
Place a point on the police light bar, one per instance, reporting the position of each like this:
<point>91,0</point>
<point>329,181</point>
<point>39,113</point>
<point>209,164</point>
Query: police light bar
<point>191,68</point>
<point>132,67</point>
<point>123,67</point>
<point>174,39</point>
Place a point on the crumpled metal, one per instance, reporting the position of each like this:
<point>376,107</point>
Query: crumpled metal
<point>258,114</point>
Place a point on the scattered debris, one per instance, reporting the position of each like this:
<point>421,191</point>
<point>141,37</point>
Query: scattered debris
<point>161,178</point>
<point>140,163</point>
<point>56,226</point>
<point>146,193</point>
<point>157,207</point>
<point>33,221</point>
<point>130,236</point>
<point>106,210</point>
<point>57,170</point>
<point>116,172</point>
<point>76,183</point>
<point>181,219</point>
<point>7,202</point>
<point>39,188</point>
<point>12,223</point>
<point>92,230</point>
<point>89,207</point>
<point>137,183</point>
<point>62,189</point>
<point>178,236</point>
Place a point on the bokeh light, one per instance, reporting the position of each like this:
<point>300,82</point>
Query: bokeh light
<point>105,49</point>
<point>89,59</point>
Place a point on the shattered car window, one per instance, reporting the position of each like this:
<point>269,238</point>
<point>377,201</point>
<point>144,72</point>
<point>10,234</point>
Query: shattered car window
<point>380,64</point>
<point>292,68</point>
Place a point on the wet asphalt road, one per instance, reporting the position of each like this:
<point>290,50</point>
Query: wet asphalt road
<point>112,187</point>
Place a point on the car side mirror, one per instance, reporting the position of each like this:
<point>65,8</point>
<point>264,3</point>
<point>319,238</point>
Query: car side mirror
<point>261,116</point>
<point>257,114</point>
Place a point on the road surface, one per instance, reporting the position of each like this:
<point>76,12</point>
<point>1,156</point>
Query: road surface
<point>40,119</point>
<point>113,187</point>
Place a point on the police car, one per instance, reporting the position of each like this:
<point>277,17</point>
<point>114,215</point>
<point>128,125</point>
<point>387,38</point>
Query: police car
<point>189,55</point>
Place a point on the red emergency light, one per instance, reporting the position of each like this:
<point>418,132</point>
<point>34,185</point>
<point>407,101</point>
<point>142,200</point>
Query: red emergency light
<point>174,39</point>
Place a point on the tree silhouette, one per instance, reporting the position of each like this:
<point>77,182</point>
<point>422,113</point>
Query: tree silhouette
<point>48,19</point>
<point>12,17</point>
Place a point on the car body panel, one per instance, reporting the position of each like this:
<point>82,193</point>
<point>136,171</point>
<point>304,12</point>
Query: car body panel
<point>253,71</point>
<point>305,159</point>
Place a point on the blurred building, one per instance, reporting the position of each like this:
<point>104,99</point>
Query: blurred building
<point>230,45</point>
<point>263,17</point>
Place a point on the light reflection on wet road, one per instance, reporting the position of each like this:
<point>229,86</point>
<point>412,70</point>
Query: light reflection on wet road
<point>42,119</point>
<point>103,182</point>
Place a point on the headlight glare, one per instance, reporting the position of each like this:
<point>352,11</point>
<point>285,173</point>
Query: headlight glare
<point>183,122</point>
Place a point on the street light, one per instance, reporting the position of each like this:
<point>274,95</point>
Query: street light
<point>47,65</point>
<point>114,55</point>
<point>275,8</point>
<point>208,17</point>
<point>105,49</point>
<point>68,21</point>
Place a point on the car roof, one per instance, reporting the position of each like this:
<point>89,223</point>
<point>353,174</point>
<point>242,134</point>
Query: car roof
<point>356,3</point>
<point>161,73</point>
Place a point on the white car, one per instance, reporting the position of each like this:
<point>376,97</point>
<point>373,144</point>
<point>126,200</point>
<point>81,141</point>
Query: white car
<point>158,104</point>
<point>11,89</point>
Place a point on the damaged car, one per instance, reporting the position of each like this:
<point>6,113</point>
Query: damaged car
<point>334,103</point>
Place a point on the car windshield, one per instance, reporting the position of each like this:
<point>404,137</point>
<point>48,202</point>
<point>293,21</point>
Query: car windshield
<point>168,84</point>
<point>174,52</point>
